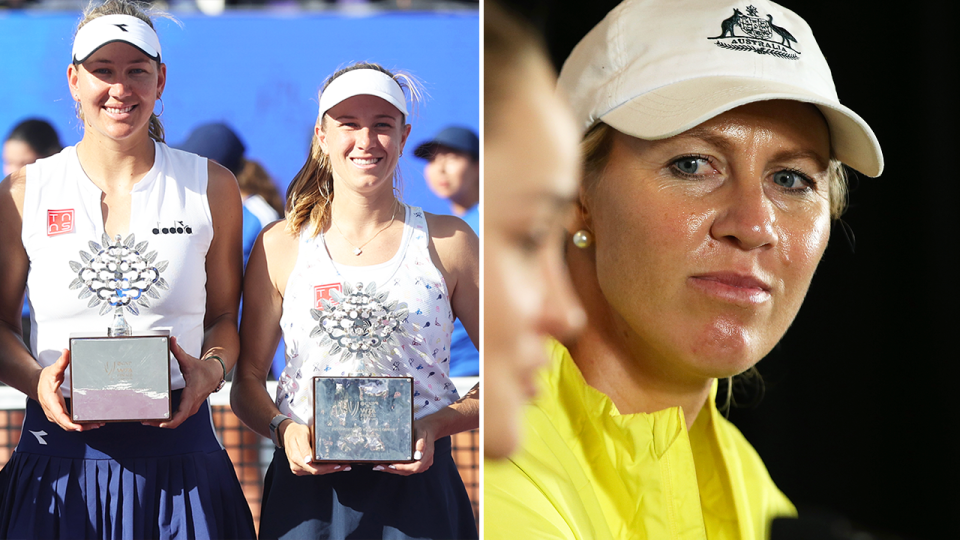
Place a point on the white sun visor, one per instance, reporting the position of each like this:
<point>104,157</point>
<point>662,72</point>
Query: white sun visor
<point>366,82</point>
<point>111,28</point>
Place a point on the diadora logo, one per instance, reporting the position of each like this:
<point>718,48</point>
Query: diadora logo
<point>322,292</point>
<point>122,27</point>
<point>177,227</point>
<point>758,35</point>
<point>59,222</point>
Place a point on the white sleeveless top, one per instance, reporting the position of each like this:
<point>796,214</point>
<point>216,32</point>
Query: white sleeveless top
<point>163,273</point>
<point>340,319</point>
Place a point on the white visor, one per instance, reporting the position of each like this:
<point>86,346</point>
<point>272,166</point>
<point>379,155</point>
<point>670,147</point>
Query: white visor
<point>111,28</point>
<point>366,82</point>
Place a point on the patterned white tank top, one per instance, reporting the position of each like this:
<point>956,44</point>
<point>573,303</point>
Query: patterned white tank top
<point>389,319</point>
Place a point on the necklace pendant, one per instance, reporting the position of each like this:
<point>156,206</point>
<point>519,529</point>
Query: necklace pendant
<point>357,251</point>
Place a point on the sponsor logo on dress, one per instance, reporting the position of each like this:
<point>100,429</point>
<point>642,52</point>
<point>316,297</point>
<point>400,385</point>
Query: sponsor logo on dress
<point>40,436</point>
<point>173,227</point>
<point>59,222</point>
<point>322,292</point>
<point>757,35</point>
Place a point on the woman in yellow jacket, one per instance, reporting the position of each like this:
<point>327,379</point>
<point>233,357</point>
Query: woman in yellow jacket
<point>713,144</point>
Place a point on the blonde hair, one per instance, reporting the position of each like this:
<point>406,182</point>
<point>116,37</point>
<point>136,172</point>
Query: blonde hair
<point>136,9</point>
<point>597,143</point>
<point>510,48</point>
<point>310,194</point>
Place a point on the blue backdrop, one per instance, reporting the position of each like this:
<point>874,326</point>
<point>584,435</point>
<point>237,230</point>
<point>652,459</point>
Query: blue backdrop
<point>260,73</point>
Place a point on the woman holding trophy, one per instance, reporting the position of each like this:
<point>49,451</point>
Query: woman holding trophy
<point>358,283</point>
<point>150,244</point>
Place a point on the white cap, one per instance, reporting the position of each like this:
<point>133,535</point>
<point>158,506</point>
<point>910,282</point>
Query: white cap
<point>367,82</point>
<point>653,69</point>
<point>111,28</point>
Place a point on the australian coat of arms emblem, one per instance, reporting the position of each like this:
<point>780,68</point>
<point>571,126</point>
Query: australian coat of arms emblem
<point>753,33</point>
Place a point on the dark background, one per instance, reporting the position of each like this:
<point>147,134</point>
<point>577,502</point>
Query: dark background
<point>857,421</point>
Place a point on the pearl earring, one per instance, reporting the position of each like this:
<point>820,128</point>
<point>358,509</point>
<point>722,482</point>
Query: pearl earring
<point>582,238</point>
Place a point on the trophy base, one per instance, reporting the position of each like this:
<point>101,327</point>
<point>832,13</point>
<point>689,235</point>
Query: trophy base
<point>120,379</point>
<point>363,419</point>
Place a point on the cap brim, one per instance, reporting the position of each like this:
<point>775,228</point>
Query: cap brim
<point>426,150</point>
<point>675,108</point>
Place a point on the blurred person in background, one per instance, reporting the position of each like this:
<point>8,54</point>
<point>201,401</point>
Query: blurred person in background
<point>150,479</point>
<point>344,232</point>
<point>453,173</point>
<point>259,192</point>
<point>28,141</point>
<point>219,143</point>
<point>530,182</point>
<point>713,147</point>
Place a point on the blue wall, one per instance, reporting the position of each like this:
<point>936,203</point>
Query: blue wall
<point>260,73</point>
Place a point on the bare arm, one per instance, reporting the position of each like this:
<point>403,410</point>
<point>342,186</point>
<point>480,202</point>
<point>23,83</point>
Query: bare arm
<point>260,334</point>
<point>455,250</point>
<point>224,269</point>
<point>18,367</point>
<point>271,262</point>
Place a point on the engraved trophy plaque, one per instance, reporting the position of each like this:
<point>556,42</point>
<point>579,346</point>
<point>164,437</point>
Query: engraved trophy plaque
<point>119,375</point>
<point>362,418</point>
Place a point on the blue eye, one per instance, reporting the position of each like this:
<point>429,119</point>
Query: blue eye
<point>690,165</point>
<point>791,179</point>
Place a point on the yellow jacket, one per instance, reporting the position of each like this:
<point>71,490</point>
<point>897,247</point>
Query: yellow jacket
<point>584,471</point>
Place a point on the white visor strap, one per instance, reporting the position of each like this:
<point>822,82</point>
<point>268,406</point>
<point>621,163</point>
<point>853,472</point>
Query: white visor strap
<point>111,28</point>
<point>369,82</point>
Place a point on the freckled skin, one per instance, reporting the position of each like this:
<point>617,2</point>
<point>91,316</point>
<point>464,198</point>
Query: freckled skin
<point>656,231</point>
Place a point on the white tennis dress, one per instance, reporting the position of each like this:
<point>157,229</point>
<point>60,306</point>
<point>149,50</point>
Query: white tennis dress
<point>170,231</point>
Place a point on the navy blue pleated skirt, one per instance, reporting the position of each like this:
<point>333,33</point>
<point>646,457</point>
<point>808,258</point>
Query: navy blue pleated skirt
<point>122,480</point>
<point>367,504</point>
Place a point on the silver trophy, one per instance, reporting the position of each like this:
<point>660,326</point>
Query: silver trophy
<point>119,375</point>
<point>361,417</point>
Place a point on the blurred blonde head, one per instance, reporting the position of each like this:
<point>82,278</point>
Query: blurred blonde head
<point>530,179</point>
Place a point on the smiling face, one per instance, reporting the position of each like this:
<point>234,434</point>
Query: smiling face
<point>531,163</point>
<point>706,242</point>
<point>117,87</point>
<point>364,136</point>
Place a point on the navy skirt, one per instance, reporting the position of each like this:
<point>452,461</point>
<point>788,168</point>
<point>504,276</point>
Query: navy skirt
<point>366,504</point>
<point>122,480</point>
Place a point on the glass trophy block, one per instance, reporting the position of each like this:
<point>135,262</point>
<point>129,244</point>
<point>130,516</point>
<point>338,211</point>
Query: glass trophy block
<point>363,419</point>
<point>120,378</point>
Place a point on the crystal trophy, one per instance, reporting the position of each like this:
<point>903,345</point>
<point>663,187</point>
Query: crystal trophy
<point>362,418</point>
<point>119,375</point>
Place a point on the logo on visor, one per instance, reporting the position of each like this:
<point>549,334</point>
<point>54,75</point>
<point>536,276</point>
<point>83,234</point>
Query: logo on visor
<point>757,35</point>
<point>122,27</point>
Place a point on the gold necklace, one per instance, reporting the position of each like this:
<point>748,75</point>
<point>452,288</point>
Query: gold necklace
<point>357,250</point>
